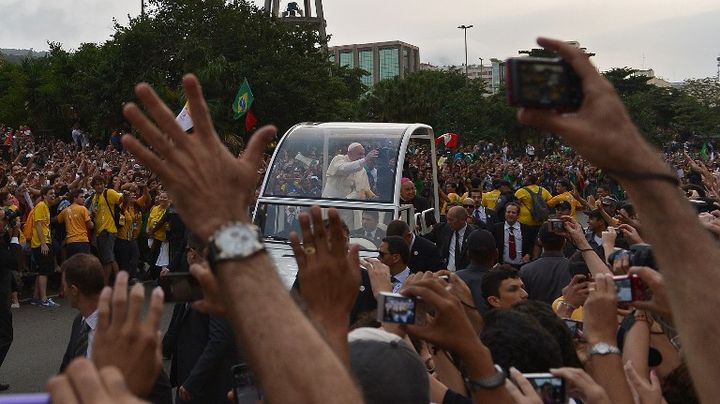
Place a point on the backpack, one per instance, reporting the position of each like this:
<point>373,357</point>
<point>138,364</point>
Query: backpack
<point>27,229</point>
<point>114,212</point>
<point>540,210</point>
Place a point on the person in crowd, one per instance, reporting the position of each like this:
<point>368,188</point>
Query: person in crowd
<point>502,287</point>
<point>483,216</point>
<point>9,252</point>
<point>596,226</point>
<point>513,239</point>
<point>346,177</point>
<point>41,244</point>
<point>525,200</point>
<point>489,199</point>
<point>395,253</point>
<point>564,193</point>
<point>127,248</point>
<point>76,219</point>
<point>545,277</point>
<point>201,347</point>
<point>105,212</point>
<point>409,196</point>
<point>483,255</point>
<point>451,238</point>
<point>424,255</point>
<point>157,234</point>
<point>369,230</point>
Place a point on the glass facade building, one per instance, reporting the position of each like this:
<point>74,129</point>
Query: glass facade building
<point>366,62</point>
<point>380,60</point>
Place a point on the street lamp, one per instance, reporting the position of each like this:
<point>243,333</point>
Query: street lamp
<point>465,28</point>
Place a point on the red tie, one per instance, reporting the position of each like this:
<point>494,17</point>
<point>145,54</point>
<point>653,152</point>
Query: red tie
<point>511,244</point>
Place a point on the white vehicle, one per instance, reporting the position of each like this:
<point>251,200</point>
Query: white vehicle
<point>297,177</point>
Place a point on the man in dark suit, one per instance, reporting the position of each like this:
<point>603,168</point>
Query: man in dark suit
<point>9,251</point>
<point>483,256</point>
<point>424,255</point>
<point>201,347</point>
<point>82,282</point>
<point>369,229</point>
<point>482,216</point>
<point>451,238</point>
<point>514,240</point>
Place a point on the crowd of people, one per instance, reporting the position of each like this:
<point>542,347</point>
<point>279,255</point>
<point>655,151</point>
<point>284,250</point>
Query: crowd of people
<point>508,283</point>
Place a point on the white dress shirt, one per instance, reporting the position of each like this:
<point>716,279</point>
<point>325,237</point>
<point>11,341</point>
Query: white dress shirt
<point>91,321</point>
<point>400,279</point>
<point>518,244</point>
<point>451,255</point>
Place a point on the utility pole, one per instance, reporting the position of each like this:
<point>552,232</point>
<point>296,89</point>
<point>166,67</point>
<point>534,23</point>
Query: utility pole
<point>465,28</point>
<point>142,8</point>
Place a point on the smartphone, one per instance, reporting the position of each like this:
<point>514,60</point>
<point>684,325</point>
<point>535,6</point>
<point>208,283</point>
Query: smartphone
<point>549,83</point>
<point>575,327</point>
<point>551,389</point>
<point>180,287</point>
<point>396,308</point>
<point>557,225</point>
<point>630,288</point>
<point>26,398</point>
<point>245,390</point>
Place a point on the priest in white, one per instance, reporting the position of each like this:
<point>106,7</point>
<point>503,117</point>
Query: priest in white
<point>346,177</point>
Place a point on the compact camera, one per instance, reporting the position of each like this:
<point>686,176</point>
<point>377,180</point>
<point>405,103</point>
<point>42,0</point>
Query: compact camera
<point>549,83</point>
<point>396,308</point>
<point>551,389</point>
<point>630,288</point>
<point>557,225</point>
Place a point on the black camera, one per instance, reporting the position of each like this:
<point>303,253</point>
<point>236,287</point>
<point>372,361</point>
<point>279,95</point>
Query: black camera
<point>11,215</point>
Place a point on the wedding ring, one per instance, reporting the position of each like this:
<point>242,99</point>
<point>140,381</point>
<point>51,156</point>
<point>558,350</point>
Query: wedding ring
<point>310,250</point>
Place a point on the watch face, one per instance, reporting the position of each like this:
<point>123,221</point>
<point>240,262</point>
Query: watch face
<point>237,241</point>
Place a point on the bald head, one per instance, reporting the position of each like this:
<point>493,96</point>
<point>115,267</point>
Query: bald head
<point>456,217</point>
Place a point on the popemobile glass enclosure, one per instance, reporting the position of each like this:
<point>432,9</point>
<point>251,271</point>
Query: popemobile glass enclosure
<point>353,167</point>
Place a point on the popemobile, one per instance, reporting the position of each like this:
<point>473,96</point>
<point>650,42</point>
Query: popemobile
<point>355,168</point>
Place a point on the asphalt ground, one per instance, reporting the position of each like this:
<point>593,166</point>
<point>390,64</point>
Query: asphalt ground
<point>41,336</point>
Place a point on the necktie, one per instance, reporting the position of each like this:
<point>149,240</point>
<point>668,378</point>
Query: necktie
<point>396,284</point>
<point>82,343</point>
<point>512,253</point>
<point>368,235</point>
<point>457,249</point>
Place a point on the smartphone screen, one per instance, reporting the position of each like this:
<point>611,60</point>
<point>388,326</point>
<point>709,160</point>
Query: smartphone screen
<point>180,287</point>
<point>551,389</point>
<point>543,83</point>
<point>624,289</point>
<point>245,390</point>
<point>395,308</point>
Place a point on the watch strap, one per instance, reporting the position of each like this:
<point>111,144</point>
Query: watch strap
<point>494,381</point>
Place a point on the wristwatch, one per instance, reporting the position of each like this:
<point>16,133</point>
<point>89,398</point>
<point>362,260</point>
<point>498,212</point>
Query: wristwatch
<point>496,380</point>
<point>602,349</point>
<point>233,242</point>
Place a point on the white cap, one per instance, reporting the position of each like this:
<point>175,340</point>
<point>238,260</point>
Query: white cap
<point>354,145</point>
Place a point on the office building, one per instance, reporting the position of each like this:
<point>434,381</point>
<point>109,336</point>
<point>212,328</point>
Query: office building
<point>381,60</point>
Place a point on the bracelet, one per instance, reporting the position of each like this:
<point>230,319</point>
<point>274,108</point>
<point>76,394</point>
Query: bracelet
<point>585,249</point>
<point>564,303</point>
<point>633,175</point>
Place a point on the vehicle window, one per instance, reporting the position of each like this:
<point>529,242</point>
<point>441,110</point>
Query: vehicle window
<point>277,221</point>
<point>346,165</point>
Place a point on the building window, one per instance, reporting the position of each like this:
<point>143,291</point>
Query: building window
<point>406,60</point>
<point>346,59</point>
<point>389,63</point>
<point>365,61</point>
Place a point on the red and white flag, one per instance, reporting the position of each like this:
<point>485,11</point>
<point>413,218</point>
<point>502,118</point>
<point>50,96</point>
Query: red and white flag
<point>449,139</point>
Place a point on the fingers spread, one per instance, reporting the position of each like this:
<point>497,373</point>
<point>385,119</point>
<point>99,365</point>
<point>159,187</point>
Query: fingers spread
<point>164,117</point>
<point>104,309</point>
<point>155,309</point>
<point>257,144</point>
<point>114,381</point>
<point>61,391</point>
<point>119,298</point>
<point>137,299</point>
<point>199,109</point>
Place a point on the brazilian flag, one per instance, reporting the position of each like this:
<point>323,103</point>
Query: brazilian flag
<point>243,100</point>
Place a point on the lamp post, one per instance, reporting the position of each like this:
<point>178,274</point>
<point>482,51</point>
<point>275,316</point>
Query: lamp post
<point>465,28</point>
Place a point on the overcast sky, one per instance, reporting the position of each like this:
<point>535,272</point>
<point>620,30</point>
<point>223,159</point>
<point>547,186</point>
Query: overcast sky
<point>679,39</point>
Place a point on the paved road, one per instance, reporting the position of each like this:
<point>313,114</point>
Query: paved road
<point>41,336</point>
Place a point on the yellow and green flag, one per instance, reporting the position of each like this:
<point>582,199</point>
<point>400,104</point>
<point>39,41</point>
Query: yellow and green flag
<point>243,100</point>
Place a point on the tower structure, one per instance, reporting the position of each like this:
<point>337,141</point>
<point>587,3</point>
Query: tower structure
<point>294,15</point>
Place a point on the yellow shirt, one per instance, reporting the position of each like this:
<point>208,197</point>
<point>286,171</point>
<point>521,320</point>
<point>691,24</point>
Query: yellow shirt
<point>130,230</point>
<point>156,213</point>
<point>75,218</point>
<point>565,196</point>
<point>489,199</point>
<point>453,198</point>
<point>525,201</point>
<point>576,315</point>
<point>40,214</point>
<point>103,215</point>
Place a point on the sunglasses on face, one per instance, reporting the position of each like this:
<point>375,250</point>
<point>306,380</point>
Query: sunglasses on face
<point>468,206</point>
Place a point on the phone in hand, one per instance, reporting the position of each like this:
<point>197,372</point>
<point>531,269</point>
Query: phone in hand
<point>245,390</point>
<point>575,327</point>
<point>549,83</point>
<point>180,287</point>
<point>396,308</point>
<point>630,288</point>
<point>550,388</point>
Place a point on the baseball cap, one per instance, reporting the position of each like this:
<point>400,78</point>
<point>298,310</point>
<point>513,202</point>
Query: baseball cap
<point>481,240</point>
<point>387,368</point>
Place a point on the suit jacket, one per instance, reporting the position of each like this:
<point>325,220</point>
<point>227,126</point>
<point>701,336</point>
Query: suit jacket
<point>360,233</point>
<point>528,239</point>
<point>424,256</point>
<point>161,392</point>
<point>490,219</point>
<point>472,276</point>
<point>441,235</point>
<point>203,351</point>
